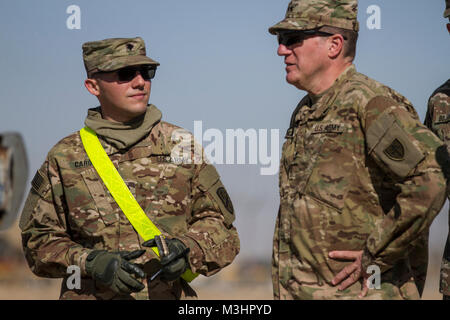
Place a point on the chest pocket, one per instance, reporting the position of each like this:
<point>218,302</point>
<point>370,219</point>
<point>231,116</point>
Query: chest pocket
<point>102,198</point>
<point>330,175</point>
<point>163,191</point>
<point>89,205</point>
<point>312,147</point>
<point>302,153</point>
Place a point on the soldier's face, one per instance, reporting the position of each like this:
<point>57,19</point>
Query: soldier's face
<point>305,61</point>
<point>122,100</point>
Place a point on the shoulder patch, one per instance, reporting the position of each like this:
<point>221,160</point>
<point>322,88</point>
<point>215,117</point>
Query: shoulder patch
<point>225,198</point>
<point>37,181</point>
<point>40,183</point>
<point>395,151</point>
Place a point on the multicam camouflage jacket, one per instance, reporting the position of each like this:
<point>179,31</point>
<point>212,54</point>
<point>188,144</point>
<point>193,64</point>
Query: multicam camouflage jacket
<point>438,120</point>
<point>358,172</point>
<point>69,212</point>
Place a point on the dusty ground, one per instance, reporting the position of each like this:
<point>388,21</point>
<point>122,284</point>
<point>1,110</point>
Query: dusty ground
<point>17,281</point>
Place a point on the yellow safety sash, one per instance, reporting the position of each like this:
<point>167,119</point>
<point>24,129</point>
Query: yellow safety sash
<point>120,192</point>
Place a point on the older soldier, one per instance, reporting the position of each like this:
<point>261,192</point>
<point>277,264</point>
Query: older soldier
<point>438,120</point>
<point>358,177</point>
<point>72,217</point>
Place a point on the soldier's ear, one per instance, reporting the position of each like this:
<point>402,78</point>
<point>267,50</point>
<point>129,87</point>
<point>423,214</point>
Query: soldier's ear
<point>448,27</point>
<point>335,45</point>
<point>92,86</point>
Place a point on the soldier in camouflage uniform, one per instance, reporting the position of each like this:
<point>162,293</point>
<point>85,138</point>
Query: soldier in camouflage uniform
<point>438,120</point>
<point>70,217</point>
<point>359,180</point>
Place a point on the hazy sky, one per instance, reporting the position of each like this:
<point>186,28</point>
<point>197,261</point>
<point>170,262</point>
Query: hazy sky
<point>218,65</point>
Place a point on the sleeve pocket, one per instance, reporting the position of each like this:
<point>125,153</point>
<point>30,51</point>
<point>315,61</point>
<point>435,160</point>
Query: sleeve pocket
<point>392,146</point>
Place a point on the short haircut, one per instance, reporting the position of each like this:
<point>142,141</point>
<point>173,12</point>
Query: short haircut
<point>93,74</point>
<point>351,37</point>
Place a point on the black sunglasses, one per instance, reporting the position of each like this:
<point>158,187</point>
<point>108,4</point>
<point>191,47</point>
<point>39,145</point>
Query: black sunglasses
<point>128,73</point>
<point>289,38</point>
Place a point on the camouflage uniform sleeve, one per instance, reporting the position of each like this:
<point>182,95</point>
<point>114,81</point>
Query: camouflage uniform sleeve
<point>429,117</point>
<point>438,120</point>
<point>211,236</point>
<point>46,242</point>
<point>438,116</point>
<point>407,152</point>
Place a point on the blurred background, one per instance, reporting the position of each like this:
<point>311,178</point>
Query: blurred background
<point>219,66</point>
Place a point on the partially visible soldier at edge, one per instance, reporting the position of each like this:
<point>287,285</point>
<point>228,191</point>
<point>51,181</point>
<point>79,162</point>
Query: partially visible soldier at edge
<point>70,217</point>
<point>438,120</point>
<point>359,181</point>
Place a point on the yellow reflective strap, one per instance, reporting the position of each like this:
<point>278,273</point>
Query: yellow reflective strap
<point>117,187</point>
<point>120,192</point>
<point>188,275</point>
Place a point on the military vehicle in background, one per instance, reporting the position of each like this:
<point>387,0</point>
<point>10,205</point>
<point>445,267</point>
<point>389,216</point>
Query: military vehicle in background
<point>13,177</point>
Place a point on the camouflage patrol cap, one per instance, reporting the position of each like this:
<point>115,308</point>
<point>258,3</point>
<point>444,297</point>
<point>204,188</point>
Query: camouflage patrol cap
<point>312,14</point>
<point>447,9</point>
<point>115,53</point>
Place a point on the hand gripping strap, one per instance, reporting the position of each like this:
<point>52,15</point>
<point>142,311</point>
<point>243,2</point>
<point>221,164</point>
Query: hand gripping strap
<point>120,192</point>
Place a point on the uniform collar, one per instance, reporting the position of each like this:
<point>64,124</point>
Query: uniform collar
<point>116,136</point>
<point>321,102</point>
<point>344,76</point>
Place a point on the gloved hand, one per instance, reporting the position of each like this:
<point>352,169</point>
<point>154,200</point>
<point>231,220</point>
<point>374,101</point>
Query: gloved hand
<point>173,254</point>
<point>113,270</point>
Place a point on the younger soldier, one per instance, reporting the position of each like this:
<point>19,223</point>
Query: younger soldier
<point>71,217</point>
<point>438,120</point>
